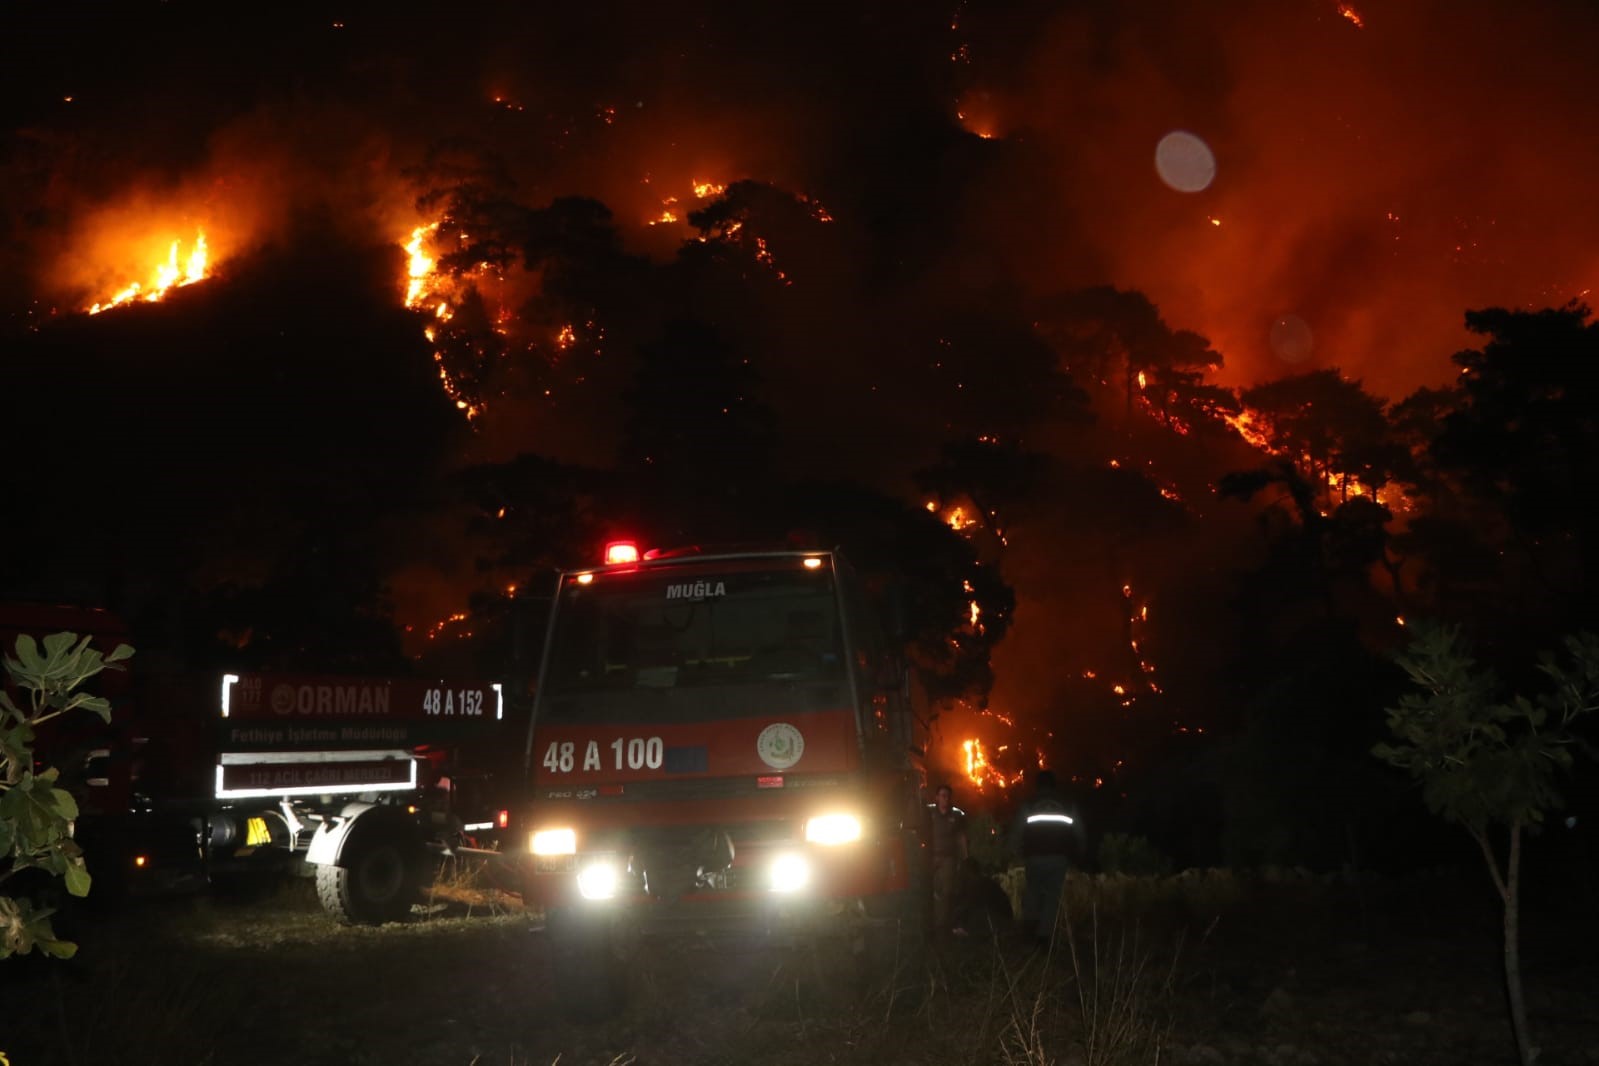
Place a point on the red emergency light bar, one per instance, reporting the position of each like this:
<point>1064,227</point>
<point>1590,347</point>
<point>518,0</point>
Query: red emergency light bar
<point>621,551</point>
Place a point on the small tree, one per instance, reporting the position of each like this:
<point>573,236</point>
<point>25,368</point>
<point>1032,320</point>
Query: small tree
<point>1490,765</point>
<point>35,816</point>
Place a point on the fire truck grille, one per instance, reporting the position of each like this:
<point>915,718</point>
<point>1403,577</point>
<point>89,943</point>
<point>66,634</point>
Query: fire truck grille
<point>678,859</point>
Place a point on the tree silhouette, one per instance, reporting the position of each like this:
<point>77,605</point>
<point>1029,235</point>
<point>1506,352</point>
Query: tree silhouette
<point>988,376</point>
<point>1002,480</point>
<point>693,410</point>
<point>1103,331</point>
<point>1524,442</point>
<point>1331,425</point>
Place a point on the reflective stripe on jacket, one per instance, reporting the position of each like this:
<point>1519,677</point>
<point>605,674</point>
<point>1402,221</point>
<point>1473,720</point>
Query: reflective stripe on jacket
<point>1046,828</point>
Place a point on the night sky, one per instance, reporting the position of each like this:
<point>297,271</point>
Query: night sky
<point>869,237</point>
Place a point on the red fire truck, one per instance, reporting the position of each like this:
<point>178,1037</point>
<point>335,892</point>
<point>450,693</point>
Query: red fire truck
<point>356,781</point>
<point>339,773</point>
<point>721,743</point>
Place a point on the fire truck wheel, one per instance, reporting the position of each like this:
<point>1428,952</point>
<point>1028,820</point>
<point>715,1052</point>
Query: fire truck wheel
<point>378,881</point>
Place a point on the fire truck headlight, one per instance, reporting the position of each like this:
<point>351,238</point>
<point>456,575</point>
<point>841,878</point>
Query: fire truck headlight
<point>790,872</point>
<point>562,841</point>
<point>830,829</point>
<point>598,880</point>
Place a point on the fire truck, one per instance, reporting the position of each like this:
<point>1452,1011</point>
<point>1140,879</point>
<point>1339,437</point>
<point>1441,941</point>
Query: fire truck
<point>358,782</point>
<point>350,778</point>
<point>722,745</point>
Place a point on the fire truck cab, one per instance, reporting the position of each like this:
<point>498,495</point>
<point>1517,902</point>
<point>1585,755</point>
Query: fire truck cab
<point>721,744</point>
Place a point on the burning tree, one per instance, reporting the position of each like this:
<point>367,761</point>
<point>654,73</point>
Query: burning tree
<point>1329,424</point>
<point>1104,331</point>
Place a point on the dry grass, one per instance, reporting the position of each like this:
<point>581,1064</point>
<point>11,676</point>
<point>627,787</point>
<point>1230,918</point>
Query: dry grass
<point>1123,1001</point>
<point>1137,973</point>
<point>467,885</point>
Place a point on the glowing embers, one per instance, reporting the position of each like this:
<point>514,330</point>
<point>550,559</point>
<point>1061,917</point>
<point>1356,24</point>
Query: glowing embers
<point>1349,13</point>
<point>451,624</point>
<point>1136,623</point>
<point>671,210</point>
<point>174,272</point>
<point>979,114</point>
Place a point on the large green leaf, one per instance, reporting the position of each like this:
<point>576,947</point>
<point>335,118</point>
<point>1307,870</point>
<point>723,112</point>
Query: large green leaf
<point>98,704</point>
<point>31,809</point>
<point>61,949</point>
<point>77,879</point>
<point>27,656</point>
<point>66,807</point>
<point>58,646</point>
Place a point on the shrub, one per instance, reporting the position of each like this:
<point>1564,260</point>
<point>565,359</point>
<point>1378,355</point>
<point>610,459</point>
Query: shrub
<point>35,816</point>
<point>1120,853</point>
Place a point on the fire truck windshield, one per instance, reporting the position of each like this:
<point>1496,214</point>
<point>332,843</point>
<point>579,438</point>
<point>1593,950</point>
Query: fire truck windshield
<point>675,642</point>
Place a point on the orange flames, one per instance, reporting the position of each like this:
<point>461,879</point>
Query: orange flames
<point>670,210</point>
<point>173,272</point>
<point>425,288</point>
<point>1348,12</point>
<point>980,769</point>
<point>1255,429</point>
<point>977,768</point>
<point>958,520</point>
<point>1250,426</point>
<point>420,266</point>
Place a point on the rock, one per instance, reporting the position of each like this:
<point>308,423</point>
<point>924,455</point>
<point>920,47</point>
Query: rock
<point>1418,1017</point>
<point>1278,1002</point>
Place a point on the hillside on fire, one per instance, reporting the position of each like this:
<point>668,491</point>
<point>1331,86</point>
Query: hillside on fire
<point>1157,369</point>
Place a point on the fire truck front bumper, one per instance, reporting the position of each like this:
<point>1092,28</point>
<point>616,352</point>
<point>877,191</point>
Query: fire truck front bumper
<point>712,918</point>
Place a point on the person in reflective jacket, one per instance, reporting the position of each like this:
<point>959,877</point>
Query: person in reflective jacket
<point>947,833</point>
<point>1045,832</point>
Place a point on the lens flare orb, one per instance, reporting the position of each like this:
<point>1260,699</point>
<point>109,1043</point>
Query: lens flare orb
<point>1184,162</point>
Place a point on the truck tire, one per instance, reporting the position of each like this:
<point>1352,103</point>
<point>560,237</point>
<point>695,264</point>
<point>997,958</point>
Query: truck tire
<point>378,878</point>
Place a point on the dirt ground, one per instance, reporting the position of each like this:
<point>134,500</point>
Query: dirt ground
<point>1206,968</point>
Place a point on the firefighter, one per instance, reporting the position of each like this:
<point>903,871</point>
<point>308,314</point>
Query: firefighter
<point>948,839</point>
<point>1045,832</point>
